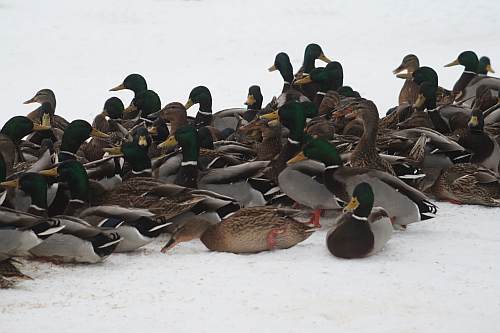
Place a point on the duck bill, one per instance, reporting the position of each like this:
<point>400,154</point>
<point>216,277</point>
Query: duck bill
<point>420,101</point>
<point>95,133</point>
<point>131,108</point>
<point>352,205</point>
<point>398,70</point>
<point>297,158</point>
<point>113,150</point>
<point>49,172</point>
<point>170,142</point>
<point>453,63</point>
<point>272,68</point>
<point>270,116</point>
<point>142,141</point>
<point>324,58</point>
<point>250,100</point>
<point>170,244</point>
<point>305,80</point>
<point>31,100</point>
<point>189,104</point>
<point>404,76</point>
<point>153,130</point>
<point>118,87</point>
<point>11,183</point>
<point>40,127</point>
<point>473,122</point>
<point>489,69</point>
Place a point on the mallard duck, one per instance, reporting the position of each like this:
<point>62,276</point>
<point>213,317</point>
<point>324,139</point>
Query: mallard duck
<point>230,181</point>
<point>113,109</point>
<point>137,84</point>
<point>77,132</point>
<point>270,133</point>
<point>288,93</point>
<point>20,232</point>
<point>484,66</point>
<point>78,242</point>
<point>11,134</point>
<point>468,184</point>
<point>329,78</point>
<point>469,60</point>
<point>201,95</point>
<point>485,149</point>
<point>30,193</point>
<point>403,203</point>
<point>409,91</point>
<point>365,154</point>
<point>142,109</point>
<point>47,99</point>
<point>362,230</point>
<point>253,103</point>
<point>249,230</point>
<point>311,53</point>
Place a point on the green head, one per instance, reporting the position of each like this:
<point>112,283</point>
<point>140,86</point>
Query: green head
<point>142,138</point>
<point>147,102</point>
<point>484,66</point>
<point>113,108</point>
<point>347,91</point>
<point>311,53</point>
<point>136,156</point>
<point>293,116</point>
<point>468,59</point>
<point>134,82</point>
<point>425,74</point>
<point>284,66</point>
<point>330,78</point>
<point>18,127</point>
<point>426,96</point>
<point>159,130</point>
<point>320,150</point>
<point>362,200</point>
<point>476,122</point>
<point>187,137</point>
<point>254,98</point>
<point>74,174</point>
<point>74,135</point>
<point>35,186</point>
<point>200,95</point>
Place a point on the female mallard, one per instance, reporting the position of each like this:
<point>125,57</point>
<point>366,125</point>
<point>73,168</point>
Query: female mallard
<point>409,91</point>
<point>403,203</point>
<point>468,184</point>
<point>47,99</point>
<point>362,230</point>
<point>269,144</point>
<point>250,230</point>
<point>288,93</point>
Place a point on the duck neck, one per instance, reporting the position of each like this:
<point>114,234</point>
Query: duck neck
<point>367,142</point>
<point>463,81</point>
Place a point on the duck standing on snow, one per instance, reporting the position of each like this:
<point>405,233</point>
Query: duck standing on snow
<point>362,230</point>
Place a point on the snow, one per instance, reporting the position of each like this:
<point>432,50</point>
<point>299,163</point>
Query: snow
<point>439,275</point>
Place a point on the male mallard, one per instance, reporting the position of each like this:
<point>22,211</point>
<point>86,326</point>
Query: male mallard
<point>30,193</point>
<point>311,53</point>
<point>47,99</point>
<point>469,60</point>
<point>11,134</point>
<point>485,149</point>
<point>113,109</point>
<point>201,95</point>
<point>403,203</point>
<point>74,136</point>
<point>249,230</point>
<point>288,93</point>
<point>137,84</point>
<point>362,230</point>
<point>484,66</point>
<point>253,103</point>
<point>329,78</point>
<point>144,106</point>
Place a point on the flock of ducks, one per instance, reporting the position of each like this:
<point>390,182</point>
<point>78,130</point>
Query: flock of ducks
<point>245,180</point>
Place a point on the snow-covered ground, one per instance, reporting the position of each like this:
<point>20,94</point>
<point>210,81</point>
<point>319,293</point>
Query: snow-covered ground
<point>440,275</point>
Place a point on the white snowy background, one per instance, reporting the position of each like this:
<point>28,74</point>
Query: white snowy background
<point>440,275</point>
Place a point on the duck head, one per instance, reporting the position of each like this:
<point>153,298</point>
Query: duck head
<point>147,102</point>
<point>72,173</point>
<point>410,63</point>
<point>113,108</point>
<point>361,203</point>
<point>284,66</point>
<point>18,127</point>
<point>142,138</point>
<point>192,229</point>
<point>312,52</point>
<point>254,98</point>
<point>188,139</point>
<point>33,185</point>
<point>476,122</point>
<point>329,78</point>
<point>319,150</point>
<point>200,95</point>
<point>426,96</point>
<point>468,59</point>
<point>43,96</point>
<point>484,66</point>
<point>74,135</point>
<point>134,82</point>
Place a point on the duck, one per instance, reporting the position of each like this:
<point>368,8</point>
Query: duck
<point>470,61</point>
<point>362,230</point>
<point>288,93</point>
<point>77,132</point>
<point>78,242</point>
<point>136,83</point>
<point>11,135</point>
<point>409,90</point>
<point>269,143</point>
<point>249,230</point>
<point>230,181</point>
<point>469,184</point>
<point>201,95</point>
<point>142,109</point>
<point>112,111</point>
<point>484,66</point>
<point>404,204</point>
<point>312,52</point>
<point>485,149</point>
<point>253,103</point>
<point>47,100</point>
<point>329,78</point>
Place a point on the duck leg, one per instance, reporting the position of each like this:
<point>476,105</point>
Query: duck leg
<point>315,217</point>
<point>271,237</point>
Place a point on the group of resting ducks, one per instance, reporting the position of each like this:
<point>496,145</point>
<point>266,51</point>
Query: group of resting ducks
<point>245,180</point>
